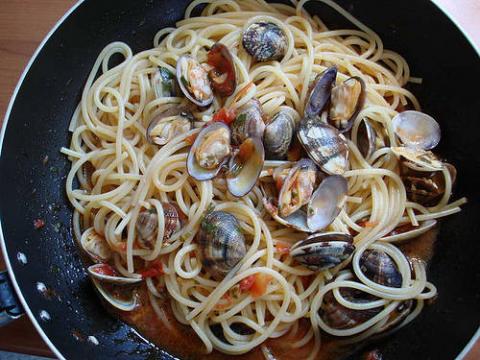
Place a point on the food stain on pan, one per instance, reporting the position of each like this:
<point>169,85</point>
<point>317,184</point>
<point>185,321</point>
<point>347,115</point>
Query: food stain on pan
<point>22,258</point>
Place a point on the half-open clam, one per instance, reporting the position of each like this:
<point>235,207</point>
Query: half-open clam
<point>193,81</point>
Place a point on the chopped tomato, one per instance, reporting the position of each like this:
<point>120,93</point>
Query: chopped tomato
<point>224,115</point>
<point>225,302</point>
<point>105,269</point>
<point>222,75</point>
<point>247,283</point>
<point>191,139</point>
<point>259,286</point>
<point>122,246</point>
<point>38,224</point>
<point>135,99</point>
<point>282,248</point>
<point>154,269</point>
<point>279,183</point>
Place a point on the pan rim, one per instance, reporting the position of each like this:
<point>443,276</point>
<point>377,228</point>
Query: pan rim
<point>28,311</point>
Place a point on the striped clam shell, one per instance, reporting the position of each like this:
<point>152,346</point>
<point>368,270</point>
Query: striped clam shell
<point>265,41</point>
<point>221,242</point>
<point>380,268</point>
<point>325,145</point>
<point>278,136</point>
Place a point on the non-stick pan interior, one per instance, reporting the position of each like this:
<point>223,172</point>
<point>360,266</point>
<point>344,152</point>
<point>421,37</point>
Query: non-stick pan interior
<point>37,127</point>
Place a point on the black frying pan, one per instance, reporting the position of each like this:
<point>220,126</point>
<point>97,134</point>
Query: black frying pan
<point>36,126</point>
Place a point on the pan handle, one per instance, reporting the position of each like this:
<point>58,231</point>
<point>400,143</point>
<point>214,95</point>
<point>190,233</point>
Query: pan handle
<point>10,307</point>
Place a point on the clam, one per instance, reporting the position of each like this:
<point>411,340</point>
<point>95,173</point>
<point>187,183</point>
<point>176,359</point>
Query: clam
<point>106,273</point>
<point>297,188</point>
<point>167,125</point>
<point>221,242</point>
<point>346,102</point>
<point>418,159</point>
<point>297,205</point>
<point>397,317</point>
<point>320,93</point>
<point>325,145</point>
<point>425,187</point>
<point>323,251</point>
<point>338,316</point>
<point>379,267</point>
<point>222,74</point>
<point>193,81</point>
<point>164,83</point>
<point>86,173</point>
<point>245,167</point>
<point>209,152</point>
<point>95,246</point>
<point>366,139</point>
<point>326,202</point>
<point>147,224</point>
<point>278,136</point>
<point>408,231</point>
<point>417,130</point>
<point>248,122</point>
<point>265,41</point>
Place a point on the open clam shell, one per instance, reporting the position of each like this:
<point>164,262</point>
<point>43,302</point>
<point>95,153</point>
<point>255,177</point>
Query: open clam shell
<point>128,302</point>
<point>326,201</point>
<point>423,159</point>
<point>320,92</point>
<point>105,273</point>
<point>366,139</point>
<point>325,145</point>
<point>248,122</point>
<point>197,171</point>
<point>417,130</point>
<point>95,246</point>
<point>323,251</point>
<point>193,81</point>
<point>222,76</point>
<point>411,234</point>
<point>245,167</point>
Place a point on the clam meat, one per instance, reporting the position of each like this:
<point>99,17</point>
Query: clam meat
<point>347,100</point>
<point>95,246</point>
<point>221,243</point>
<point>265,41</point>
<point>166,126</point>
<point>193,81</point>
<point>209,152</point>
<point>298,187</point>
<point>248,122</point>
<point>278,136</point>
<point>323,251</point>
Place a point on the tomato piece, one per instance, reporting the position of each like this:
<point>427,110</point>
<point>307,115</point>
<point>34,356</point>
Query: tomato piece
<point>226,301</point>
<point>259,286</point>
<point>155,268</point>
<point>222,76</point>
<point>401,229</point>
<point>224,115</point>
<point>105,269</point>
<point>247,283</point>
<point>282,248</point>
